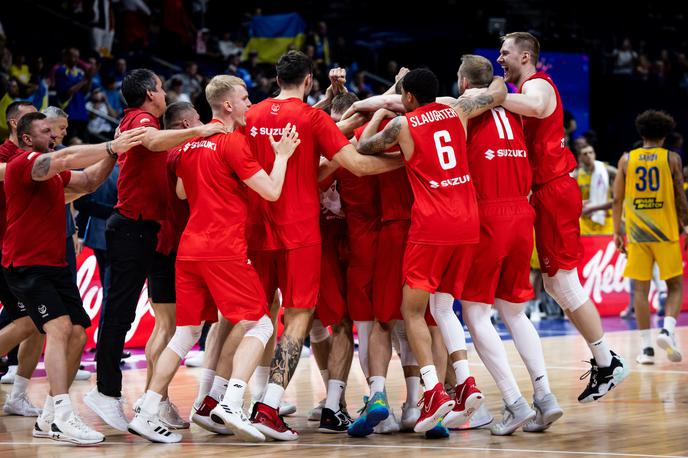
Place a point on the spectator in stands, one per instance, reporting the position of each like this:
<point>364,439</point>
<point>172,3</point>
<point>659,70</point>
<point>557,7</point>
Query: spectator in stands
<point>321,44</point>
<point>99,128</point>
<point>73,84</point>
<point>235,69</point>
<point>359,86</point>
<point>38,85</point>
<point>316,94</point>
<point>191,80</point>
<point>175,91</point>
<point>19,69</point>
<point>120,71</point>
<point>11,94</point>
<point>593,180</point>
<point>262,90</point>
<point>624,59</point>
<point>113,95</point>
<point>229,47</point>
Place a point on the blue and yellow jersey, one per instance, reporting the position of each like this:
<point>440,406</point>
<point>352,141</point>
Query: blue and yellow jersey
<point>649,204</point>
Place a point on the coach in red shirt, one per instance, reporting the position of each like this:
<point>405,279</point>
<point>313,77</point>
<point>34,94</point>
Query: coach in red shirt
<point>131,231</point>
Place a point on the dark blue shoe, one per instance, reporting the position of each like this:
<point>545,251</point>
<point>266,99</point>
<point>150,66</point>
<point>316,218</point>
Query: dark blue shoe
<point>375,410</point>
<point>438,432</point>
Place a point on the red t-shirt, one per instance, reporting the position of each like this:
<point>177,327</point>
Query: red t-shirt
<point>497,155</point>
<point>546,141</point>
<point>177,214</point>
<point>36,208</point>
<point>7,151</point>
<point>142,175</point>
<point>293,220</point>
<point>213,170</point>
<point>445,211</point>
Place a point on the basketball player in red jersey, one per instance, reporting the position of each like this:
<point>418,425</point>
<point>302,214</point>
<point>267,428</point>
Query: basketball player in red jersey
<point>498,161</point>
<point>444,220</point>
<point>557,202</point>
<point>284,236</point>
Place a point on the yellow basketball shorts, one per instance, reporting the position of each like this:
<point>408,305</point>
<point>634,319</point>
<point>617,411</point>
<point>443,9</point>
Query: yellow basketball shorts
<point>642,256</point>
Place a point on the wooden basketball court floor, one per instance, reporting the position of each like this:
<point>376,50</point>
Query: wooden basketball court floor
<point>647,416</point>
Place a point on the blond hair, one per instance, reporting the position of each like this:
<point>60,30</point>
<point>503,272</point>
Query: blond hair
<point>525,42</point>
<point>219,87</point>
<point>476,69</point>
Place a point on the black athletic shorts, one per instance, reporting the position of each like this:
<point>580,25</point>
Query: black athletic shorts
<point>161,279</point>
<point>47,292</point>
<point>15,309</point>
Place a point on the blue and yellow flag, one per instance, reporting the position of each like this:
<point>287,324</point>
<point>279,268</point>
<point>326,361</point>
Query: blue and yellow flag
<point>272,36</point>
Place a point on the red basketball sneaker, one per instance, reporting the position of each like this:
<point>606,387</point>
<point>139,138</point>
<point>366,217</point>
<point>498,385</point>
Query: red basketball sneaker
<point>468,399</point>
<point>434,405</point>
<point>268,421</point>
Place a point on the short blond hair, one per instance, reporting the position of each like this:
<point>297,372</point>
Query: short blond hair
<point>217,89</point>
<point>476,69</point>
<point>525,42</point>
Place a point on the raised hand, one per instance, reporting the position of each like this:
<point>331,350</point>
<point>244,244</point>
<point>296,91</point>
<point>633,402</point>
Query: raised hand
<point>288,143</point>
<point>128,139</point>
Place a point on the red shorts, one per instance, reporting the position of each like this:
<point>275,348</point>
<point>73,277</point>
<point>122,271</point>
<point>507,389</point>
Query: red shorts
<point>388,279</point>
<point>558,205</point>
<point>435,268</point>
<point>295,272</point>
<point>363,238</point>
<point>204,287</point>
<point>501,267</point>
<point>331,306</point>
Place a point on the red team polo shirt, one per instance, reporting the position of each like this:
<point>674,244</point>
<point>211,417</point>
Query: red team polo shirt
<point>212,170</point>
<point>293,220</point>
<point>37,207</point>
<point>445,211</point>
<point>549,156</point>
<point>142,177</point>
<point>7,151</point>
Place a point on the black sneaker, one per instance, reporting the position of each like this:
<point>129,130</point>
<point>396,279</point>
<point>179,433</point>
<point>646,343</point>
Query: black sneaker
<point>333,422</point>
<point>603,379</point>
<point>345,412</point>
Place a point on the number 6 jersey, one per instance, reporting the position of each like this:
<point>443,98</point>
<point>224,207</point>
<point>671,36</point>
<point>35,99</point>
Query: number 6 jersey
<point>445,211</point>
<point>649,200</point>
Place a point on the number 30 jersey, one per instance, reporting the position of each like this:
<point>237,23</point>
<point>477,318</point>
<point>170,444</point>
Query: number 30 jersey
<point>445,211</point>
<point>649,199</point>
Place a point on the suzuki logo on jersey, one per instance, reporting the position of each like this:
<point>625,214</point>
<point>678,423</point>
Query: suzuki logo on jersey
<point>489,154</point>
<point>201,144</point>
<point>456,181</point>
<point>267,131</point>
<point>275,108</point>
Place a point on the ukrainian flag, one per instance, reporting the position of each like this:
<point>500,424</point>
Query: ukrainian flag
<point>272,36</point>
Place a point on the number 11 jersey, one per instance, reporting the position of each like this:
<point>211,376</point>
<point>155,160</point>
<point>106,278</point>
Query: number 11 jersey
<point>445,211</point>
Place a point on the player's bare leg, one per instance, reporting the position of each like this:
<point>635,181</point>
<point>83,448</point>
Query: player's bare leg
<point>333,419</point>
<point>667,338</point>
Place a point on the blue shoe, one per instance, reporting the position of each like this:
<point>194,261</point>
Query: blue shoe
<point>438,432</point>
<point>375,410</point>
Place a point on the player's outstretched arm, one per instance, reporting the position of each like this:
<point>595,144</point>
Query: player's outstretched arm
<point>377,102</point>
<point>270,186</point>
<point>374,142</point>
<point>88,180</point>
<point>162,140</point>
<point>77,157</point>
<point>617,203</point>
<point>361,165</point>
<point>537,100</point>
<point>470,106</point>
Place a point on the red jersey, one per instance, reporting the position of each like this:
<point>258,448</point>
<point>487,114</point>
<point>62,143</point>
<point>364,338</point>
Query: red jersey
<point>177,214</point>
<point>142,175</point>
<point>293,220</point>
<point>36,208</point>
<point>213,170</point>
<point>497,155</point>
<point>445,211</point>
<point>332,219</point>
<point>549,156</point>
<point>7,151</point>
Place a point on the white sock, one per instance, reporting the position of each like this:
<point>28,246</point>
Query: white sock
<point>335,388</point>
<point>204,385</point>
<point>219,387</point>
<point>273,395</point>
<point>48,407</point>
<point>429,376</point>
<point>234,396</point>
<point>461,371</point>
<point>20,385</point>
<point>377,384</point>
<point>325,374</point>
<point>527,343</point>
<point>669,324</point>
<point>601,352</point>
<point>63,406</point>
<point>412,391</point>
<point>646,338</point>
<point>363,330</point>
<point>258,382</point>
<point>509,390</point>
<point>151,403</point>
<point>441,308</point>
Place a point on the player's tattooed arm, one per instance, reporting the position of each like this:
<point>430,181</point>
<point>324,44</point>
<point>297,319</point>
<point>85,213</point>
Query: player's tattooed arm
<point>376,143</point>
<point>41,167</point>
<point>471,106</point>
<point>286,358</point>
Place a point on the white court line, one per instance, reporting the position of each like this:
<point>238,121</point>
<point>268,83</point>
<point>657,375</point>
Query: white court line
<point>412,447</point>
